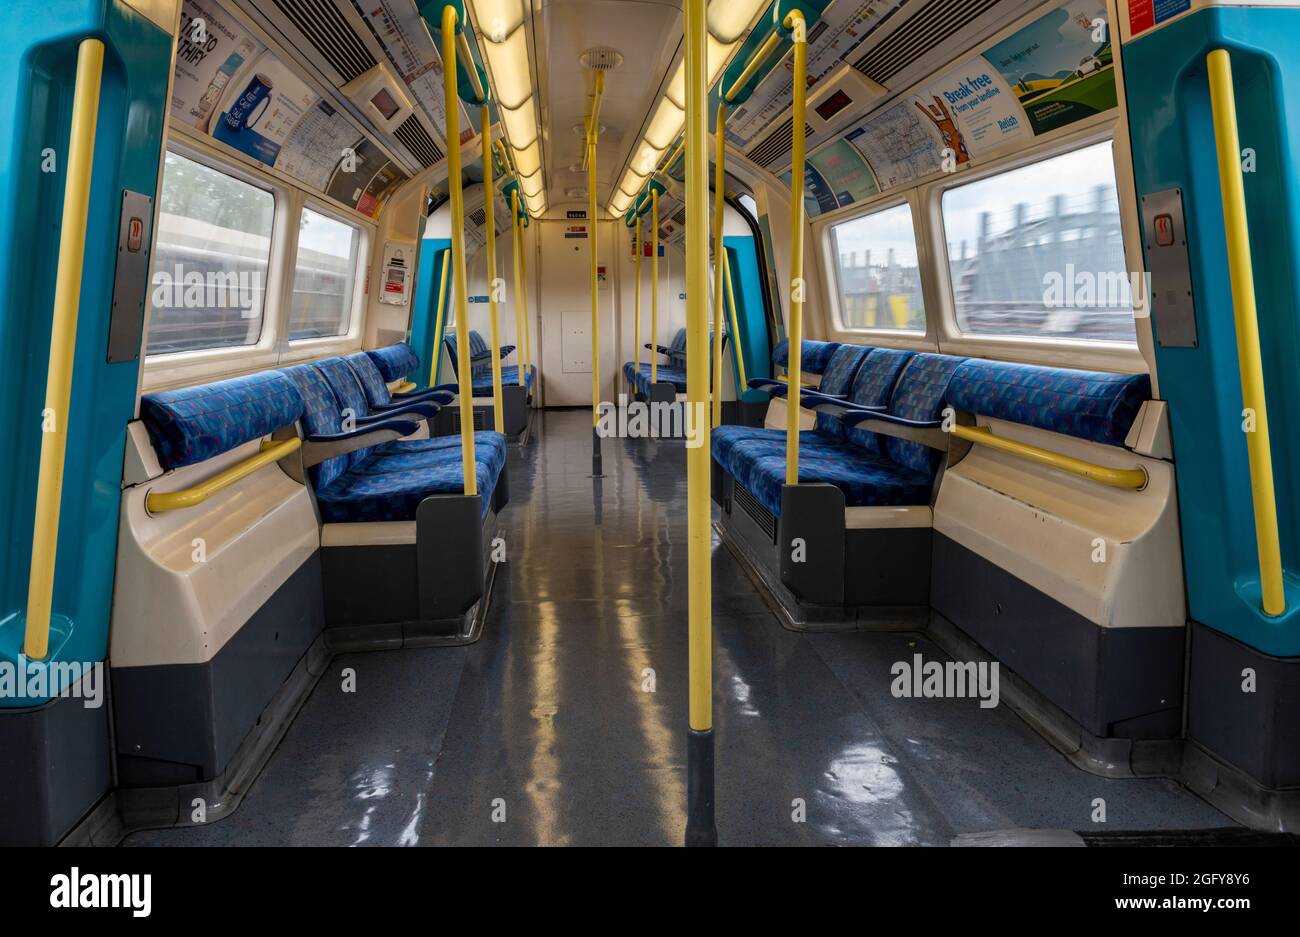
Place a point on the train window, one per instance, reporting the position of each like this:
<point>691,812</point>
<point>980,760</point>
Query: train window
<point>877,271</point>
<point>208,284</point>
<point>1038,251</point>
<point>324,280</point>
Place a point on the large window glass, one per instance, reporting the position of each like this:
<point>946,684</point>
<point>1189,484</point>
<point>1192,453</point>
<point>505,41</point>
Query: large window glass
<point>208,284</point>
<point>1039,251</point>
<point>877,271</point>
<point>324,279</point>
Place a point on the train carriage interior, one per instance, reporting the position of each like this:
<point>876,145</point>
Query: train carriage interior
<point>650,422</point>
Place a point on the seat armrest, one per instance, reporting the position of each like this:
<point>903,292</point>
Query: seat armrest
<point>417,409</point>
<point>320,448</point>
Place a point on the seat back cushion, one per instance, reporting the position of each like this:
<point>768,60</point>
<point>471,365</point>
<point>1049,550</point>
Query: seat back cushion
<point>814,359</point>
<point>838,379</point>
<point>1092,405</point>
<point>921,394</point>
<point>873,387</point>
<point>395,361</point>
<point>372,381</point>
<point>193,424</point>
<point>322,414</point>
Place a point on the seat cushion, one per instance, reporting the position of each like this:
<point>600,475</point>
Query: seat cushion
<point>1092,405</point>
<point>390,483</point>
<point>865,479</point>
<point>193,424</point>
<point>482,384</point>
<point>725,440</point>
<point>838,381</point>
<point>395,361</point>
<point>640,380</point>
<point>400,455</point>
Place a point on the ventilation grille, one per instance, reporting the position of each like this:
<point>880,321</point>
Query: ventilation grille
<point>329,31</point>
<point>601,59</point>
<point>412,135</point>
<point>777,144</point>
<point>482,422</point>
<point>477,217</point>
<point>926,30</point>
<point>680,217</point>
<point>760,515</point>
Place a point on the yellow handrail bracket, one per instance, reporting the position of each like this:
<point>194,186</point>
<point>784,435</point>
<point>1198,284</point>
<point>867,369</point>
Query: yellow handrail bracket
<point>159,501</point>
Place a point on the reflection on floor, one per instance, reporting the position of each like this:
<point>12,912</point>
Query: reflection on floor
<point>566,723</point>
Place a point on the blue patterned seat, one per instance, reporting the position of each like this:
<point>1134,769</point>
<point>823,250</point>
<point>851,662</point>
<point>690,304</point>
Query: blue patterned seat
<point>841,369</point>
<point>869,469</point>
<point>194,424</point>
<point>395,361</point>
<point>1092,405</point>
<point>815,357</point>
<point>674,372</point>
<point>480,371</point>
<point>349,487</point>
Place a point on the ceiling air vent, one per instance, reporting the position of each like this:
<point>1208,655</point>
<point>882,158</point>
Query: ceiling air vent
<point>329,31</point>
<point>777,144</point>
<point>680,217</point>
<point>477,217</point>
<point>601,59</point>
<point>412,135</point>
<point>925,30</point>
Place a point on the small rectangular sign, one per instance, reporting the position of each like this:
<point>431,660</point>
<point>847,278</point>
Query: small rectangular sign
<point>575,215</point>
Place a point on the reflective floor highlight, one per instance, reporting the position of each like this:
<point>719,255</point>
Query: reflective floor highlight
<point>566,723</point>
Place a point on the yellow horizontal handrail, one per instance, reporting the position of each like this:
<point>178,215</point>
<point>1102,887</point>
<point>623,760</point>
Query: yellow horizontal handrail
<point>159,501</point>
<point>755,63</point>
<point>1103,474</point>
<point>1259,453</point>
<point>63,346</point>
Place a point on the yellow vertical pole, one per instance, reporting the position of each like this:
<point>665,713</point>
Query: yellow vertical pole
<point>489,196</point>
<point>654,285</point>
<point>795,22</point>
<point>520,366</point>
<point>63,346</point>
<point>701,828</point>
<point>459,278</point>
<point>1259,453</point>
<point>523,268</point>
<point>595,263</point>
<point>737,346</point>
<point>636,338</point>
<point>436,355</point>
<point>719,301</point>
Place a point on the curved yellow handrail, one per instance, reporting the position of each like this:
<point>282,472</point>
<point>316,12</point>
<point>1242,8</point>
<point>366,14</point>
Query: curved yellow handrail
<point>737,346</point>
<point>159,501</point>
<point>755,63</point>
<point>1223,105</point>
<point>435,356</point>
<point>798,26</point>
<point>63,344</point>
<point>1103,474</point>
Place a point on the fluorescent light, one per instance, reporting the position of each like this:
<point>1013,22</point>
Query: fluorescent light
<point>717,57</point>
<point>528,159</point>
<point>666,125</point>
<point>497,19</point>
<point>647,158</point>
<point>531,185</point>
<point>728,19</point>
<point>508,62</point>
<point>521,124</point>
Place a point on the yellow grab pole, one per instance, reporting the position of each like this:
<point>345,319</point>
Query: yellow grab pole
<point>519,309</point>
<point>459,279</point>
<point>795,22</point>
<point>1236,228</point>
<point>737,346</point>
<point>489,196</point>
<point>63,345</point>
<point>755,63</point>
<point>523,269</point>
<point>595,291</point>
<point>719,300</point>
<point>636,337</point>
<point>438,322</point>
<point>701,828</point>
<point>654,285</point>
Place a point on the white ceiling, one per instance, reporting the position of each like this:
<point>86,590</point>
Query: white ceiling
<point>648,33</point>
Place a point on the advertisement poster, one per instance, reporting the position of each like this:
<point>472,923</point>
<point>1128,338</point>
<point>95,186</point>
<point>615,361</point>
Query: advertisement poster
<point>268,102</point>
<point>973,110</point>
<point>1060,67</point>
<point>316,145</point>
<point>212,51</point>
<point>846,173</point>
<point>370,182</point>
<point>841,29</point>
<point>818,196</point>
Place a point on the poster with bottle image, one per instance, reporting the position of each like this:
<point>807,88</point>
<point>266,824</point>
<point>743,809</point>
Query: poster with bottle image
<point>263,108</point>
<point>212,52</point>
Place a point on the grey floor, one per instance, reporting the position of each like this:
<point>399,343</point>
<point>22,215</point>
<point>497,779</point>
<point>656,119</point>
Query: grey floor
<point>566,723</point>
